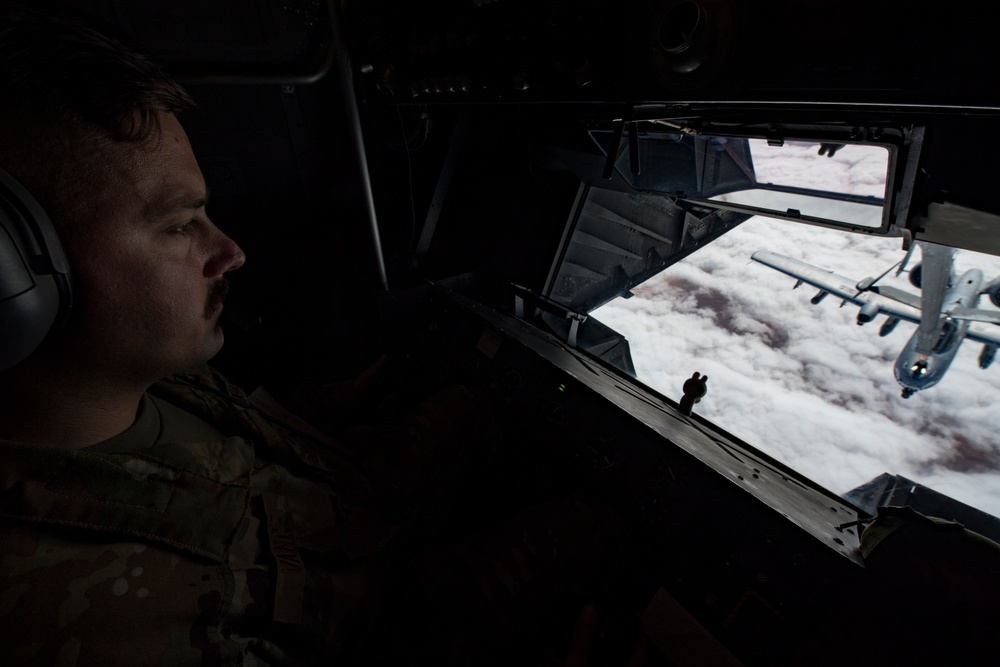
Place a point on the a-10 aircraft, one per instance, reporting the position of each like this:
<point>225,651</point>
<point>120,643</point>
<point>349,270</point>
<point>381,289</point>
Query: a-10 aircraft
<point>943,310</point>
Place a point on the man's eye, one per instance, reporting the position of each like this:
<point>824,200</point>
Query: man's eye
<point>183,230</point>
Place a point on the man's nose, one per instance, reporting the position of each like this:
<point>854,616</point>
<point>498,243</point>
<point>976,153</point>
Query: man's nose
<point>236,254</point>
<point>226,256</point>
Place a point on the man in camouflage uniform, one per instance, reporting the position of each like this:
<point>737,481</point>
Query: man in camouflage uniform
<point>176,548</point>
<point>179,521</point>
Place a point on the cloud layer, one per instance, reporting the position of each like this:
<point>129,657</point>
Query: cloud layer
<point>805,383</point>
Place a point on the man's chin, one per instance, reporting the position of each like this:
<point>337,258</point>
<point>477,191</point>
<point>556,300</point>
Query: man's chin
<point>211,345</point>
<point>217,341</point>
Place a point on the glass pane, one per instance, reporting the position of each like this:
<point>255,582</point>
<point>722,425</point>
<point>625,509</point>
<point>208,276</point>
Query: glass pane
<point>855,169</point>
<point>847,186</point>
<point>835,183</point>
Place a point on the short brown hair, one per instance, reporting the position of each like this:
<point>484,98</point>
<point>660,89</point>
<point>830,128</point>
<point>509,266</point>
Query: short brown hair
<point>72,100</point>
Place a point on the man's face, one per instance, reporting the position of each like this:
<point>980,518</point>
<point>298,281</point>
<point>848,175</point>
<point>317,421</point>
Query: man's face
<point>150,272</point>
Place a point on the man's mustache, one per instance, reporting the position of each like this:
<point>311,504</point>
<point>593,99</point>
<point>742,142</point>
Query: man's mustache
<point>216,295</point>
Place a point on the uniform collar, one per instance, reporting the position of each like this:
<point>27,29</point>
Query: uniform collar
<point>140,435</point>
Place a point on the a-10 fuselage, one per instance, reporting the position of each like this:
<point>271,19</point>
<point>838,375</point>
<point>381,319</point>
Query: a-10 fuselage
<point>916,371</point>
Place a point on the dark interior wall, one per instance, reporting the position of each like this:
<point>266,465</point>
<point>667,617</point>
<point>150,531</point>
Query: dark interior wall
<point>285,186</point>
<point>506,205</point>
<point>894,52</point>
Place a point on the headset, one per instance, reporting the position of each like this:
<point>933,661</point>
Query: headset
<point>36,293</point>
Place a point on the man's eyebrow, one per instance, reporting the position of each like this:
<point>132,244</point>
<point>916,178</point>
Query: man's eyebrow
<point>161,208</point>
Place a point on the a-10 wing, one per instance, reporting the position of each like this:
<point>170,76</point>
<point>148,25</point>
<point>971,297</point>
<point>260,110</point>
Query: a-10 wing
<point>984,337</point>
<point>890,301</point>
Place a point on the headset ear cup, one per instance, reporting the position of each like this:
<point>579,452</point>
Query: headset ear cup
<point>36,293</point>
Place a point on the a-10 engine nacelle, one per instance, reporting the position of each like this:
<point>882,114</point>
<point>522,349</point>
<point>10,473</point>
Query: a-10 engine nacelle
<point>993,290</point>
<point>916,275</point>
<point>868,312</point>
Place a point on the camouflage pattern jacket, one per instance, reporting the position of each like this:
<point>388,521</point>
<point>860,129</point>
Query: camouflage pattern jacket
<point>228,551</point>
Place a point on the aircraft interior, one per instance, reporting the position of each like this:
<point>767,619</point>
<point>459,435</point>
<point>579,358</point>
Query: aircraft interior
<point>456,184</point>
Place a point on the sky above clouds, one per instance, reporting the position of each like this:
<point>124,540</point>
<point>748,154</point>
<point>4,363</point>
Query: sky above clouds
<point>805,383</point>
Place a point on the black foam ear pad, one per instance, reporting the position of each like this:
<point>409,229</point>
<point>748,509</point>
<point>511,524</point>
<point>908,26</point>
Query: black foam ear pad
<point>35,288</point>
